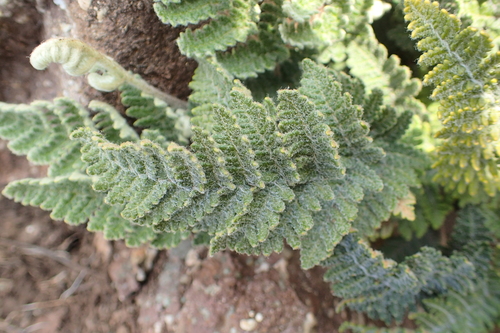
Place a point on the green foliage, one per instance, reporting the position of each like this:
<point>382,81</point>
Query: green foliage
<point>69,198</point>
<point>367,60</point>
<point>229,23</point>
<point>40,131</point>
<point>154,114</point>
<point>465,77</point>
<point>386,290</point>
<point>297,152</point>
<point>477,310</point>
<point>249,176</point>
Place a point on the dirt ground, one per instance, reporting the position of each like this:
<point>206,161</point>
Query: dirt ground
<point>60,278</point>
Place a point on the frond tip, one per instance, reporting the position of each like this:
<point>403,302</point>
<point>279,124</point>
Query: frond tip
<point>105,74</point>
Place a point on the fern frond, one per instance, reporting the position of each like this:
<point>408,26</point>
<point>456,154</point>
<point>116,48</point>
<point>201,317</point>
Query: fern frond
<point>357,328</point>
<point>232,25</point>
<point>73,200</point>
<point>455,313</point>
<point>386,290</point>
<point>40,131</point>
<point>69,198</point>
<point>368,60</point>
<point>139,175</point>
<point>111,124</point>
<point>154,114</point>
<point>465,78</point>
<point>484,16</point>
<point>324,31</point>
<point>302,10</point>
<point>309,140</point>
<point>210,83</point>
<point>257,124</point>
<point>477,309</point>
<point>187,12</point>
<point>78,58</point>
<point>255,56</point>
<point>344,118</point>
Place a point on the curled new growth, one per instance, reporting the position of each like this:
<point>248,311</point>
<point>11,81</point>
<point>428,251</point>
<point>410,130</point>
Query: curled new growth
<point>78,58</point>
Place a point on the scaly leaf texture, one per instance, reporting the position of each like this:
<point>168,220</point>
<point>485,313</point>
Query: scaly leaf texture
<point>323,31</point>
<point>40,131</point>
<point>465,77</point>
<point>154,114</point>
<point>377,180</point>
<point>237,180</point>
<point>69,198</point>
<point>73,200</point>
<point>111,123</point>
<point>210,83</point>
<point>187,12</point>
<point>259,54</point>
<point>302,10</point>
<point>386,290</point>
<point>350,132</point>
<point>140,174</point>
<point>484,16</point>
<point>325,26</point>
<point>230,23</point>
<point>262,51</point>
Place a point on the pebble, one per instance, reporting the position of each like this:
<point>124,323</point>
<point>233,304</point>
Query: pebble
<point>248,324</point>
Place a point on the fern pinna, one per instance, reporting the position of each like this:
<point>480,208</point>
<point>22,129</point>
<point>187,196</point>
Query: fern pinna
<point>465,77</point>
<point>466,283</point>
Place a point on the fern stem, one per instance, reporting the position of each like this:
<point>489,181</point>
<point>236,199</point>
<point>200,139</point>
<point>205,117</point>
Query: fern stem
<point>155,92</point>
<point>105,74</point>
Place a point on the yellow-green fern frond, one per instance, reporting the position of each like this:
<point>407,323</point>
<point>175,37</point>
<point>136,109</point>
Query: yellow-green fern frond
<point>465,77</point>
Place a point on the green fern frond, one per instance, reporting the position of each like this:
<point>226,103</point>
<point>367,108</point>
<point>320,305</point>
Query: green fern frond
<point>478,309</point>
<point>187,12</point>
<point>309,140</point>
<point>385,290</point>
<point>154,114</point>
<point>69,198</point>
<point>344,118</point>
<point>167,240</point>
<point>302,10</point>
<point>465,77</point>
<point>256,56</point>
<point>262,51</point>
<point>111,124</point>
<point>210,83</point>
<point>40,131</point>
<point>139,175</point>
<point>234,24</point>
<point>257,124</point>
<point>324,31</point>
<point>368,60</point>
<point>78,58</point>
<point>73,200</point>
<point>484,16</point>
<point>455,313</point>
<point>471,226</point>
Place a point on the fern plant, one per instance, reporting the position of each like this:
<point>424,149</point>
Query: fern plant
<point>312,149</point>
